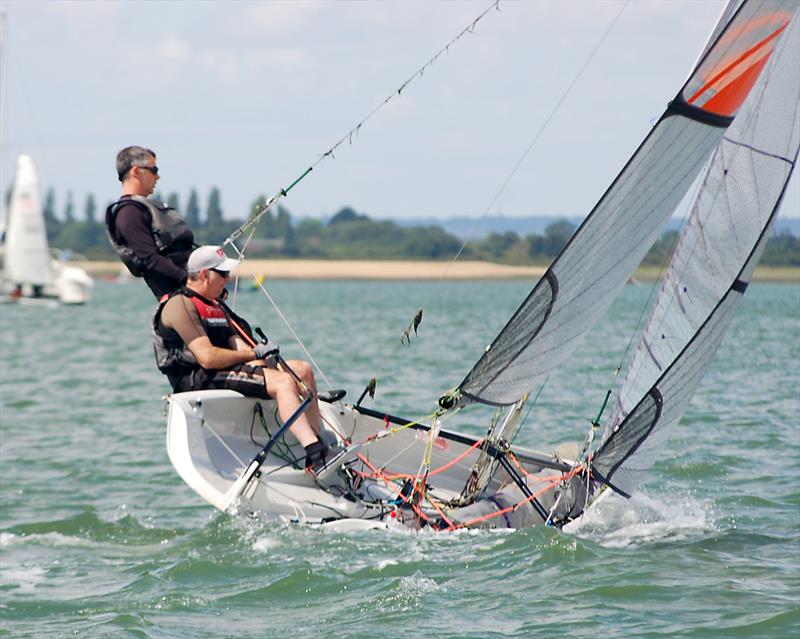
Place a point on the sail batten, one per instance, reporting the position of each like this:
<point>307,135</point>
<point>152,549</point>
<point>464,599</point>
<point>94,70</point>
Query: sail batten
<point>711,268</point>
<point>605,250</point>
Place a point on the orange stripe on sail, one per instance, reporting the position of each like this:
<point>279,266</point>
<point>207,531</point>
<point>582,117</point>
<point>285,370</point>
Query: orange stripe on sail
<point>728,100</point>
<point>730,97</point>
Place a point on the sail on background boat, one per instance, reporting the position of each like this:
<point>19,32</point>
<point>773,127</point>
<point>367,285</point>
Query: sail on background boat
<point>29,269</point>
<point>586,277</point>
<point>27,255</point>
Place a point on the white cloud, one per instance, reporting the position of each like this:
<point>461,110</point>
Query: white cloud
<point>273,84</point>
<point>174,49</point>
<point>219,65</point>
<point>277,20</point>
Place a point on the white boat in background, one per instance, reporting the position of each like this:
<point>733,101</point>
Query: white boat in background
<point>30,271</point>
<point>72,285</point>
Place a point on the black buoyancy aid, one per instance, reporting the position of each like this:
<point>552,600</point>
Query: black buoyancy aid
<point>172,236</point>
<point>173,356</point>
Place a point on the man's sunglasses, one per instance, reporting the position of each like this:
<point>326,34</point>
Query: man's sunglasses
<point>220,273</point>
<point>152,169</point>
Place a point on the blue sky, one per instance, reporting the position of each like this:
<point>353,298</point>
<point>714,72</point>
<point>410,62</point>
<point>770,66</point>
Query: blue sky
<point>245,95</point>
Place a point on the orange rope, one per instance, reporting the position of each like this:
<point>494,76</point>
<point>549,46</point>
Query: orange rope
<point>250,341</point>
<point>387,478</point>
<point>512,508</point>
<point>380,475</point>
<point>440,511</point>
<point>438,470</point>
<point>524,471</point>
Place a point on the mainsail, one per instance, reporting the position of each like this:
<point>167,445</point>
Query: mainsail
<point>26,255</point>
<point>589,273</point>
<point>717,252</point>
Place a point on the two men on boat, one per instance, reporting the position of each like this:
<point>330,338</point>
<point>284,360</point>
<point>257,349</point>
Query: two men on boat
<point>200,343</point>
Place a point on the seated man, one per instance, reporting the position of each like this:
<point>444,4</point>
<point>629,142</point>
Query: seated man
<point>199,345</point>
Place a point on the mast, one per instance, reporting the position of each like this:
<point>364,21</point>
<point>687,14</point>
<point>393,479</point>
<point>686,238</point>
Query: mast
<point>3,136</point>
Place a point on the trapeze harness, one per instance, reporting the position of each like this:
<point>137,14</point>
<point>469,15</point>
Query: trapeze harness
<point>172,236</point>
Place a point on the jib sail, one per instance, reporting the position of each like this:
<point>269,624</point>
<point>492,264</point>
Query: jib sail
<point>589,273</point>
<point>711,267</point>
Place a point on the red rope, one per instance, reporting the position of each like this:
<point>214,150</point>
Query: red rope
<point>512,508</point>
<point>379,475</point>
<point>250,341</point>
<point>440,469</point>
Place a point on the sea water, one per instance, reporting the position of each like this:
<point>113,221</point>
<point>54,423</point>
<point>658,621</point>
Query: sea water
<point>99,537</point>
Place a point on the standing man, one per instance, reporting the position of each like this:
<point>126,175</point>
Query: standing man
<point>199,344</point>
<point>149,236</point>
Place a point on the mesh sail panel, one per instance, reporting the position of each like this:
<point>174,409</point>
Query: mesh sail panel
<point>589,273</point>
<point>536,306</point>
<point>714,260</point>
<point>631,448</point>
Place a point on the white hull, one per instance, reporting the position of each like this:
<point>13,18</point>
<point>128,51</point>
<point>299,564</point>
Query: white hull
<point>72,285</point>
<point>42,302</point>
<point>67,285</point>
<point>212,437</point>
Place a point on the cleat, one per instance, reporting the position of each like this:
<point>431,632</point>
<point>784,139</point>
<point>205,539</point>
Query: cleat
<point>331,396</point>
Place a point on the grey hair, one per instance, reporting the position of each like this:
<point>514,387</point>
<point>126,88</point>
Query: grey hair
<point>193,277</point>
<point>132,156</point>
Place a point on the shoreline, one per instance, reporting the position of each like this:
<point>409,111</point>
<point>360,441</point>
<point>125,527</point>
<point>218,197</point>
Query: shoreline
<point>411,270</point>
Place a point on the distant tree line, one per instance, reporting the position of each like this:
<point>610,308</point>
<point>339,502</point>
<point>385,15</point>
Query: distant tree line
<point>87,236</point>
<point>351,235</point>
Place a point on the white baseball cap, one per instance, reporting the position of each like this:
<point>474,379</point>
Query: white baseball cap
<point>208,257</point>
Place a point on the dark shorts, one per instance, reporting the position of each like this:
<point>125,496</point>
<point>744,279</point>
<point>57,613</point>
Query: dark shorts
<point>245,379</point>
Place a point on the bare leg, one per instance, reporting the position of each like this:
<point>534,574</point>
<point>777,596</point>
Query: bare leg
<point>283,388</point>
<point>306,373</point>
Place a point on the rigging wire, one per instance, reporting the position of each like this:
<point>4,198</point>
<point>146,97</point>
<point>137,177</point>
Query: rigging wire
<point>517,166</point>
<point>542,128</point>
<point>256,216</point>
<point>699,185</point>
<point>290,327</point>
<point>354,131</point>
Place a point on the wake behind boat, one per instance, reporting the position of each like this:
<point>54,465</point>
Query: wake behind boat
<point>733,130</point>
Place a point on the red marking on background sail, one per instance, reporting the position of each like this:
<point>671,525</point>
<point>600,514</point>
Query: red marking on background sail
<point>731,78</point>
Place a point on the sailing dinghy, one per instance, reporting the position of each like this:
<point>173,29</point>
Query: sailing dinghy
<point>31,273</point>
<point>733,130</point>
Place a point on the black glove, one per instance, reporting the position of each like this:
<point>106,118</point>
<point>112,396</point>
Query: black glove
<point>263,350</point>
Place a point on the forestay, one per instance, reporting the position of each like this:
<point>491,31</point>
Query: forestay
<point>712,265</point>
<point>589,273</point>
